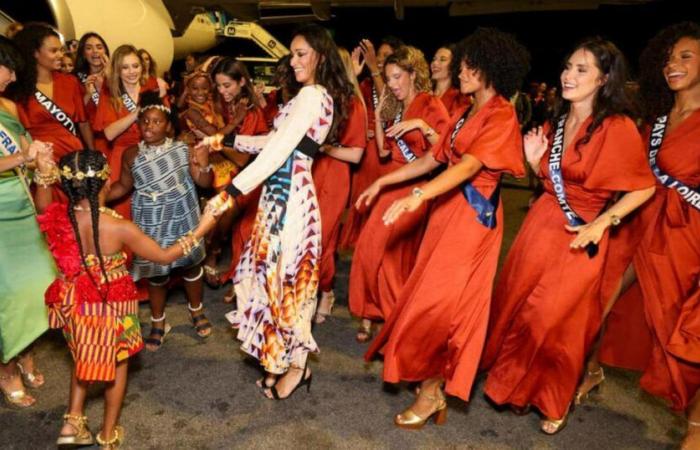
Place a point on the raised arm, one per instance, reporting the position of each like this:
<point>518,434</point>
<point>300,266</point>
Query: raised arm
<point>305,110</point>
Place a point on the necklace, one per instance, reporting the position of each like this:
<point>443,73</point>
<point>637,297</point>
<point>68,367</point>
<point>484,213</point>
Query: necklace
<point>154,151</point>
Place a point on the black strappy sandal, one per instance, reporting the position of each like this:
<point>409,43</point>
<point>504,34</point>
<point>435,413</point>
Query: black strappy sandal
<point>200,322</point>
<point>157,335</point>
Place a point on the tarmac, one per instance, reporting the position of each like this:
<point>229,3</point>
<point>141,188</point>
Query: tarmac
<point>200,394</point>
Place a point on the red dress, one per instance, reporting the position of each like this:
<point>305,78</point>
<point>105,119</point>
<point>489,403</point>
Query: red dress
<point>384,255</point>
<point>363,174</point>
<point>332,180</point>
<point>43,127</point>
<point>667,263</point>
<point>105,115</point>
<point>547,308</point>
<point>101,142</point>
<point>455,101</point>
<point>254,123</point>
<point>439,323</point>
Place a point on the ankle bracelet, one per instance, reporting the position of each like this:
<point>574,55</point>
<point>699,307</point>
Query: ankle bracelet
<point>196,277</point>
<point>201,305</point>
<point>160,319</point>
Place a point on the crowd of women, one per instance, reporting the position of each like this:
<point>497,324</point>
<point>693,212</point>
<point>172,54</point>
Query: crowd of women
<point>416,153</point>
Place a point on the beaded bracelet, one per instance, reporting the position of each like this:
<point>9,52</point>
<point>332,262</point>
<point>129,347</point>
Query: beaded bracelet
<point>45,180</point>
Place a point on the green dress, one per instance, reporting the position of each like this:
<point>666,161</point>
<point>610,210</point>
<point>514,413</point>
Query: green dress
<point>26,266</point>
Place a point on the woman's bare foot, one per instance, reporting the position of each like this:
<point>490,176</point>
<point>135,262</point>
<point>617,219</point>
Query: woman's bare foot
<point>30,374</point>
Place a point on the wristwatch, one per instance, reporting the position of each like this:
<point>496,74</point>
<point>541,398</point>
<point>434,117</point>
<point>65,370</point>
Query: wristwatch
<point>614,220</point>
<point>417,192</point>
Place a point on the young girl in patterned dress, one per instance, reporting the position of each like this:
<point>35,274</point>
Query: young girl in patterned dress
<point>94,298</point>
<point>164,205</point>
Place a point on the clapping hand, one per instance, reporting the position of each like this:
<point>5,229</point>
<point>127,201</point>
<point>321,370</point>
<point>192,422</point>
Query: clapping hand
<point>369,54</point>
<point>535,144</point>
<point>358,61</point>
<point>44,156</point>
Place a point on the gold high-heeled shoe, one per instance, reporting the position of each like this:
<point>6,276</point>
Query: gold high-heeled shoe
<point>409,420</point>
<point>582,395</point>
<point>115,442</point>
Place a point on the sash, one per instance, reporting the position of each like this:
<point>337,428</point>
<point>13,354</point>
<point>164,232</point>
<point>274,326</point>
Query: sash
<point>485,207</point>
<point>687,193</point>
<point>375,97</point>
<point>95,96</point>
<point>406,151</point>
<point>555,157</point>
<point>128,102</point>
<point>55,111</point>
<point>9,147</point>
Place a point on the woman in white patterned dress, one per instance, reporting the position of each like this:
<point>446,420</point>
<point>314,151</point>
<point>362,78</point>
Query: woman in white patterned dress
<point>276,280</point>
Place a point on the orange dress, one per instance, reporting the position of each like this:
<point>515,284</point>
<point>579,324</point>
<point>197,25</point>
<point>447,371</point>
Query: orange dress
<point>332,181</point>
<point>363,174</point>
<point>105,115</point>
<point>42,126</point>
<point>667,263</point>
<point>101,142</point>
<point>455,101</point>
<point>385,255</point>
<point>254,123</point>
<point>438,326</point>
<point>547,307</point>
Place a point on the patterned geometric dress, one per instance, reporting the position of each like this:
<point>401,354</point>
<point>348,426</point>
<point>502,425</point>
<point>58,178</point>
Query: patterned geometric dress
<point>164,203</point>
<point>99,319</point>
<point>277,276</point>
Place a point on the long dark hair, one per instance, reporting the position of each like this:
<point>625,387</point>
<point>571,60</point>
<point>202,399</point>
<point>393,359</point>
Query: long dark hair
<point>236,71</point>
<point>87,188</point>
<point>614,98</point>
<point>284,78</point>
<point>9,55</point>
<point>29,40</point>
<point>330,73</point>
<point>81,64</point>
<point>657,98</point>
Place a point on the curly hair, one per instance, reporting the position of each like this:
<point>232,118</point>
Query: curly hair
<point>330,73</point>
<point>81,63</point>
<point>88,188</point>
<point>29,40</point>
<point>656,96</point>
<point>614,98</point>
<point>237,71</point>
<point>411,60</point>
<point>500,59</point>
<point>9,55</point>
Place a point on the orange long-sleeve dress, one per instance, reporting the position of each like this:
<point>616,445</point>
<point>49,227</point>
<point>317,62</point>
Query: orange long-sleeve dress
<point>438,326</point>
<point>254,123</point>
<point>385,255</point>
<point>547,306</point>
<point>363,174</point>
<point>667,264</point>
<point>42,126</point>
<point>332,180</point>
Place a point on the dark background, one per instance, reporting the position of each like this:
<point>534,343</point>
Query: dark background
<point>548,35</point>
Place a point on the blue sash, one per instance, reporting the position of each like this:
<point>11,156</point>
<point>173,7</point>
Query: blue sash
<point>55,111</point>
<point>687,193</point>
<point>406,151</point>
<point>485,207</point>
<point>555,158</point>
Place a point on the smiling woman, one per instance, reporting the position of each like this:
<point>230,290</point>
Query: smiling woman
<point>50,103</point>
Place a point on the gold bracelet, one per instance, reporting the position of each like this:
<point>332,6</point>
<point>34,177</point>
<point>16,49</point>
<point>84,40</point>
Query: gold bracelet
<point>45,180</point>
<point>187,243</point>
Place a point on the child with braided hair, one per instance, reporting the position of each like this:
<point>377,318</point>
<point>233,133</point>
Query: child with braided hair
<point>94,299</point>
<point>162,173</point>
